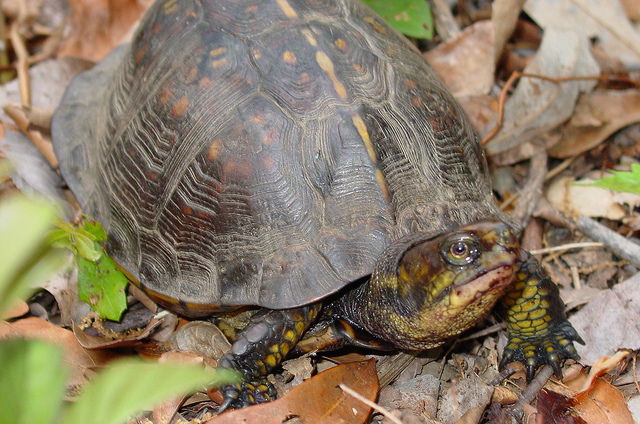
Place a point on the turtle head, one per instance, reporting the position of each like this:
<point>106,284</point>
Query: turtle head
<point>421,295</point>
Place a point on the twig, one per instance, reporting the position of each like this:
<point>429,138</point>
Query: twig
<point>618,244</point>
<point>530,392</point>
<point>567,246</point>
<point>517,74</point>
<point>446,25</point>
<point>370,404</point>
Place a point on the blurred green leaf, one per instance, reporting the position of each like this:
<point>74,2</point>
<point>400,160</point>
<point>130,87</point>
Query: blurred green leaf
<point>94,228</point>
<point>32,381</point>
<point>627,181</point>
<point>410,17</point>
<point>102,285</point>
<point>26,255</point>
<point>128,387</point>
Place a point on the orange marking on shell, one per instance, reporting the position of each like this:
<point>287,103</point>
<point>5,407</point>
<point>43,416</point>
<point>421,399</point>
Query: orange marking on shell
<point>364,135</point>
<point>219,63</point>
<point>304,79</point>
<point>205,82</point>
<point>409,83</point>
<point>140,53</point>
<point>170,6</point>
<point>289,57</point>
<point>251,9</point>
<point>256,54</point>
<point>417,101</point>
<point>289,12</point>
<point>166,94</point>
<point>180,106</point>
<point>310,38</point>
<point>268,162</point>
<point>218,51</point>
<point>235,170</point>
<point>214,149</point>
<point>357,67</point>
<point>341,44</point>
<point>327,66</point>
<point>192,75</point>
<point>257,118</point>
<point>270,136</point>
<point>187,210</point>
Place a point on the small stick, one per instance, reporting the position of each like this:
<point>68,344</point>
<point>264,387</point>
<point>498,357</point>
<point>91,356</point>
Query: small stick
<point>567,246</point>
<point>370,404</point>
<point>517,74</point>
<point>618,244</point>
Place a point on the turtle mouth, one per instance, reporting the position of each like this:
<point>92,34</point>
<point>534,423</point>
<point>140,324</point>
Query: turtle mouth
<point>489,284</point>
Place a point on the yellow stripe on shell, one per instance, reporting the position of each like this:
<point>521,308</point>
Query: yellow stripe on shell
<point>289,12</point>
<point>327,66</point>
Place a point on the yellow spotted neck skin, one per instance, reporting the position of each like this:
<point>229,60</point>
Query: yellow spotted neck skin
<point>539,332</point>
<point>418,299</point>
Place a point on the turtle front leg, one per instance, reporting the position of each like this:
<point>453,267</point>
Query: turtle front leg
<point>539,332</point>
<point>262,346</point>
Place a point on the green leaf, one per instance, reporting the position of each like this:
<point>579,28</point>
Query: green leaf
<point>128,387</point>
<point>26,256</point>
<point>32,381</point>
<point>622,180</point>
<point>94,228</point>
<point>102,285</point>
<point>80,240</point>
<point>410,17</point>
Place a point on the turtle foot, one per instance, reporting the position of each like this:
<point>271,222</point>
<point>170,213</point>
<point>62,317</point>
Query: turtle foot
<point>552,349</point>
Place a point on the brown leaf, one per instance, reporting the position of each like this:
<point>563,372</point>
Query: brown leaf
<point>597,116</point>
<point>81,362</point>
<point>318,400</point>
<point>604,20</point>
<point>536,105</point>
<point>604,404</point>
<point>97,26</point>
<point>469,54</point>
<point>555,408</point>
<point>504,17</point>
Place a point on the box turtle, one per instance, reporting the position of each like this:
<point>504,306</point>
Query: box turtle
<point>300,157</point>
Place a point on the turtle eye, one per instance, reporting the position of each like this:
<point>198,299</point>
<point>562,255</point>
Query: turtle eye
<point>460,249</point>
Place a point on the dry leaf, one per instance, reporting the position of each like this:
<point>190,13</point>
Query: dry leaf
<point>318,400</point>
<point>81,362</point>
<point>574,199</point>
<point>597,116</point>
<point>604,404</point>
<point>97,26</point>
<point>604,20</point>
<point>538,105</point>
<point>504,16</point>
<point>469,54</point>
<point>609,322</point>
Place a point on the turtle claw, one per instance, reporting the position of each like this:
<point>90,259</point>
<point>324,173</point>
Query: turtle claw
<point>246,394</point>
<point>551,349</point>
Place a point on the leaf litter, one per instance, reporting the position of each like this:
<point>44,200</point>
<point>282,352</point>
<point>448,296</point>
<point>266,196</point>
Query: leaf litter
<point>585,126</point>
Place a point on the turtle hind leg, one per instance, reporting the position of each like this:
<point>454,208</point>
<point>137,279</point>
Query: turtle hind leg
<point>539,332</point>
<point>332,334</point>
<point>269,337</point>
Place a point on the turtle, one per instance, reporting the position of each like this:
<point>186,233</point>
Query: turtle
<point>300,158</point>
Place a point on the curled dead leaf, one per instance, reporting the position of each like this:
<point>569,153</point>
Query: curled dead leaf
<point>318,400</point>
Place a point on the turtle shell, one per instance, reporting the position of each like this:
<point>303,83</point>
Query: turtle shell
<point>265,152</point>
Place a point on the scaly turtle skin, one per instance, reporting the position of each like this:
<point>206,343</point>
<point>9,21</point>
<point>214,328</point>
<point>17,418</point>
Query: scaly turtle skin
<point>299,156</point>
